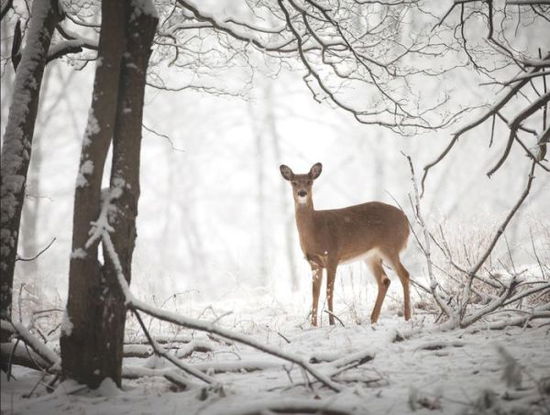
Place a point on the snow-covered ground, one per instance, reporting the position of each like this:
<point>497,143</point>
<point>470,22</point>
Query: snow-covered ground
<point>416,368</point>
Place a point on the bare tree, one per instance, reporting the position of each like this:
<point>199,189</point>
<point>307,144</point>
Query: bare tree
<point>38,30</point>
<point>17,140</point>
<point>91,343</point>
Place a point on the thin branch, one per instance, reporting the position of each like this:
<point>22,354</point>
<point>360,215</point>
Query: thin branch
<point>519,118</point>
<point>159,351</point>
<point>5,7</point>
<point>476,122</point>
<point>489,250</point>
<point>19,258</point>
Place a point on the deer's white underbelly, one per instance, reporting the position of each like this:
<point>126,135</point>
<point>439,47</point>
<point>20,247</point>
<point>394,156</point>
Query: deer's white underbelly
<point>371,253</point>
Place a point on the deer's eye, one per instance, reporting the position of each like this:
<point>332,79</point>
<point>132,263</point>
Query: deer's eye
<point>293,183</point>
<point>309,182</point>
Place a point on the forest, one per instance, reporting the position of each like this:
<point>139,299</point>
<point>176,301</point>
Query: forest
<point>275,207</point>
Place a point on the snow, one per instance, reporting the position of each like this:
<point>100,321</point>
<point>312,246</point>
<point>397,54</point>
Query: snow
<point>144,6</point>
<point>87,168</point>
<point>108,388</point>
<point>79,253</point>
<point>66,325</point>
<point>415,366</point>
<point>92,126</point>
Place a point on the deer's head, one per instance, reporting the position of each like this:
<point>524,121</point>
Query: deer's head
<point>301,183</point>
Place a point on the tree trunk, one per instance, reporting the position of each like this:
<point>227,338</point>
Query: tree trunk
<point>17,142</point>
<point>91,349</point>
<point>124,186</point>
<point>82,345</point>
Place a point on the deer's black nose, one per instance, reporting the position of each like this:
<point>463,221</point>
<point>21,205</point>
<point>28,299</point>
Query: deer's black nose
<point>302,193</point>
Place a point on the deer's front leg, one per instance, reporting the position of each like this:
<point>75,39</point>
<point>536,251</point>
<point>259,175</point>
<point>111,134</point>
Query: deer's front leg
<point>317,278</point>
<point>331,277</point>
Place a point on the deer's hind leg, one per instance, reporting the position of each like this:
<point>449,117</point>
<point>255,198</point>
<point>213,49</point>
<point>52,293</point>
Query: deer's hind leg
<point>404,277</point>
<point>383,282</point>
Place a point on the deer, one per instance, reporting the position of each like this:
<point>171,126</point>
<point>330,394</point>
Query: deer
<point>374,232</point>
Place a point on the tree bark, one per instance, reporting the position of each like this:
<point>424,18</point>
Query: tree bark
<point>92,349</point>
<point>82,346</point>
<point>17,141</point>
<point>124,185</point>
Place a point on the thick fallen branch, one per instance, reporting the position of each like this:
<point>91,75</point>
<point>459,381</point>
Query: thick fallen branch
<point>537,313</point>
<point>52,360</point>
<point>187,349</point>
<point>19,354</point>
<point>162,339</point>
<point>350,361</point>
<point>137,350</point>
<point>172,375</point>
<point>236,366</point>
<point>289,406</point>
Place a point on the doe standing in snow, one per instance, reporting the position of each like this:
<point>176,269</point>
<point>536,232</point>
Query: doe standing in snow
<point>374,232</point>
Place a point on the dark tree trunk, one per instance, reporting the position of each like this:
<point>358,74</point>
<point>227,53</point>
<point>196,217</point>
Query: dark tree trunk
<point>124,185</point>
<point>81,347</point>
<point>17,142</point>
<point>92,349</point>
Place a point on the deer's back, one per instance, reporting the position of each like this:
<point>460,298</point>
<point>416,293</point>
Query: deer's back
<point>354,231</point>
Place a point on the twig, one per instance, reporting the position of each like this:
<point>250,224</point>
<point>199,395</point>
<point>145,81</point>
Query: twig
<point>336,317</point>
<point>19,258</point>
<point>159,351</point>
<point>283,337</point>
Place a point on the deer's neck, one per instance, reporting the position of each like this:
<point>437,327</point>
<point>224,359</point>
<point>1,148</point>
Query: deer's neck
<point>304,217</point>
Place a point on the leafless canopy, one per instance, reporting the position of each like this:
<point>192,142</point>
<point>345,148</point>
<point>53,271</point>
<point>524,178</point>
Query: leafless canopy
<point>513,55</point>
<point>379,60</point>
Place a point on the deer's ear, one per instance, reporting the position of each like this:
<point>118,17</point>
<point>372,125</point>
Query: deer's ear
<point>286,172</point>
<point>315,170</point>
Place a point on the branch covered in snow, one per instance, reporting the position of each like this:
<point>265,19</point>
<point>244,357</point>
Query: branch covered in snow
<point>160,351</point>
<point>172,375</point>
<point>53,362</point>
<point>289,406</point>
<point>521,320</point>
